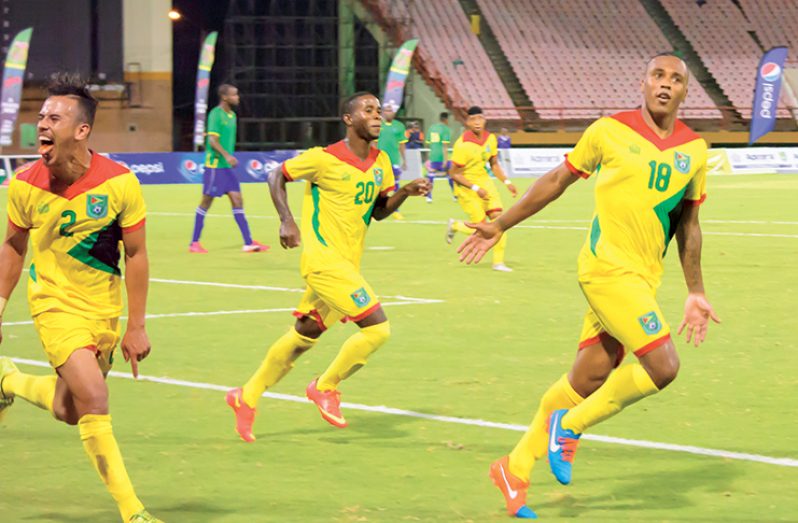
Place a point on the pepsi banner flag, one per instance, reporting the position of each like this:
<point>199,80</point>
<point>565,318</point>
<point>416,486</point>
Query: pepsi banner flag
<point>207,56</point>
<point>766,95</point>
<point>163,168</point>
<point>400,68</point>
<point>11,89</point>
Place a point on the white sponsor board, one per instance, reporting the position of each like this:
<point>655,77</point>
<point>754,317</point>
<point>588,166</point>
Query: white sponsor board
<point>761,160</point>
<point>536,162</point>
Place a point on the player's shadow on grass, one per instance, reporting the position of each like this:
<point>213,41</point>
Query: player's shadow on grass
<point>631,490</point>
<point>192,510</point>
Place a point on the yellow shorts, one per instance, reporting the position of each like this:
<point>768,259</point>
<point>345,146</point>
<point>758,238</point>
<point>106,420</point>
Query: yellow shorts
<point>62,333</point>
<point>475,207</point>
<point>626,309</point>
<point>335,294</point>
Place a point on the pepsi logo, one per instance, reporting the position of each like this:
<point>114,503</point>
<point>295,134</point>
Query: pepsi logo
<point>190,166</point>
<point>770,72</point>
<point>255,168</point>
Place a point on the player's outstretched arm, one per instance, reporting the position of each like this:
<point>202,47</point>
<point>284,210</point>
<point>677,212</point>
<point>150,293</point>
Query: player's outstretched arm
<point>697,309</point>
<point>548,188</point>
<point>457,176</point>
<point>289,232</point>
<point>12,257</point>
<point>498,171</point>
<point>136,343</point>
<point>385,206</point>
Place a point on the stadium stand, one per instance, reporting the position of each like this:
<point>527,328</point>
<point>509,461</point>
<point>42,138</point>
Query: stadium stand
<point>719,32</point>
<point>451,54</point>
<point>582,58</point>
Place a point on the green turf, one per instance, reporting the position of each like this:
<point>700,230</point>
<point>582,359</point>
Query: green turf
<point>489,351</point>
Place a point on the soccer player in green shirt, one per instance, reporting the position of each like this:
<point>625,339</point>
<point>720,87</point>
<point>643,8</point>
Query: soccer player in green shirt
<point>219,177</point>
<point>439,136</point>
<point>392,140</point>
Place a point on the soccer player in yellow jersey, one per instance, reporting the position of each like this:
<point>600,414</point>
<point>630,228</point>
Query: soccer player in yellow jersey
<point>474,189</point>
<point>348,183</point>
<point>76,207</point>
<point>651,178</point>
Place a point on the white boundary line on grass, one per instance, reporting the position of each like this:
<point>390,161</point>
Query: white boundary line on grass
<point>563,228</point>
<point>689,449</point>
<point>279,289</point>
<point>224,313</point>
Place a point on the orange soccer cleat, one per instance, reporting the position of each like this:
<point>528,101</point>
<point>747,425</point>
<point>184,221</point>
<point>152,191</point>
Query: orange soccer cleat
<point>245,415</point>
<point>512,487</point>
<point>329,404</point>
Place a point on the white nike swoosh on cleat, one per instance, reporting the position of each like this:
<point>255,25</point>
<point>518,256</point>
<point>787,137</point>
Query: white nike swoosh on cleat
<point>513,493</point>
<point>553,445</point>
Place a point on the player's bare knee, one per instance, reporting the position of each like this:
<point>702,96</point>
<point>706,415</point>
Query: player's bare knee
<point>93,399</point>
<point>308,327</point>
<point>665,373</point>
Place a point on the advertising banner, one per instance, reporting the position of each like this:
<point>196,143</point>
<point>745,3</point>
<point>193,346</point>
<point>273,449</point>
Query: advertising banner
<point>207,55</point>
<point>400,68</point>
<point>766,94</point>
<point>11,88</point>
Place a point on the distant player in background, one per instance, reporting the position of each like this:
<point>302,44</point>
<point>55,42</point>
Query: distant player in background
<point>393,141</point>
<point>439,136</point>
<point>76,207</point>
<point>475,191</point>
<point>219,177</point>
<point>504,144</point>
<point>349,183</point>
<point>653,179</point>
<point>415,136</point>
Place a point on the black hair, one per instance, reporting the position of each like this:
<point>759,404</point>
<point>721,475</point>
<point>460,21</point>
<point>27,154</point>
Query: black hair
<point>474,109</point>
<point>66,84</point>
<point>444,116</point>
<point>348,103</point>
<point>224,89</point>
<point>674,53</point>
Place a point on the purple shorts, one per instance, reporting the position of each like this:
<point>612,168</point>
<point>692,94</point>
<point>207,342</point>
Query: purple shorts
<point>219,181</point>
<point>439,167</point>
<point>397,174</point>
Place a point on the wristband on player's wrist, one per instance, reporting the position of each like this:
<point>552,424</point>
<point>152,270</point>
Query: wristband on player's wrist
<point>475,188</point>
<point>507,181</point>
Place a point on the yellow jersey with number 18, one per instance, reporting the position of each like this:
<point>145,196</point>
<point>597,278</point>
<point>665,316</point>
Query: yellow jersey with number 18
<point>340,196</point>
<point>75,236</point>
<point>643,182</point>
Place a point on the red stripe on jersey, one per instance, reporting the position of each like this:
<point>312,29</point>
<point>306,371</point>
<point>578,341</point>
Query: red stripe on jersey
<point>15,226</point>
<point>365,313</point>
<point>101,169</point>
<point>645,349</point>
<point>285,173</point>
<point>699,201</point>
<point>574,170</point>
<point>133,228</point>
<point>469,136</point>
<point>341,151</point>
<point>634,120</point>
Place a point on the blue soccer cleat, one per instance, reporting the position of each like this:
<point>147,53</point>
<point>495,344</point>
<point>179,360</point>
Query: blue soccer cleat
<point>562,447</point>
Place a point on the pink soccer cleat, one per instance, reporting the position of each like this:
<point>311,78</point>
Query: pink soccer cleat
<point>255,247</point>
<point>329,404</point>
<point>245,415</point>
<point>196,248</point>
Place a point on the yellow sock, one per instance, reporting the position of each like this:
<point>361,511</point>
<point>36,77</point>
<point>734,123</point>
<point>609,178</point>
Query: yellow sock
<point>533,444</point>
<point>459,226</point>
<point>353,354</point>
<point>100,445</point>
<point>279,360</point>
<point>39,390</point>
<point>498,250</point>
<point>624,387</point>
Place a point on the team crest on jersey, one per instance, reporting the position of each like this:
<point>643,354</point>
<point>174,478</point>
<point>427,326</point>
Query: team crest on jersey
<point>650,323</point>
<point>682,162</point>
<point>97,206</point>
<point>378,176</point>
<point>361,297</point>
